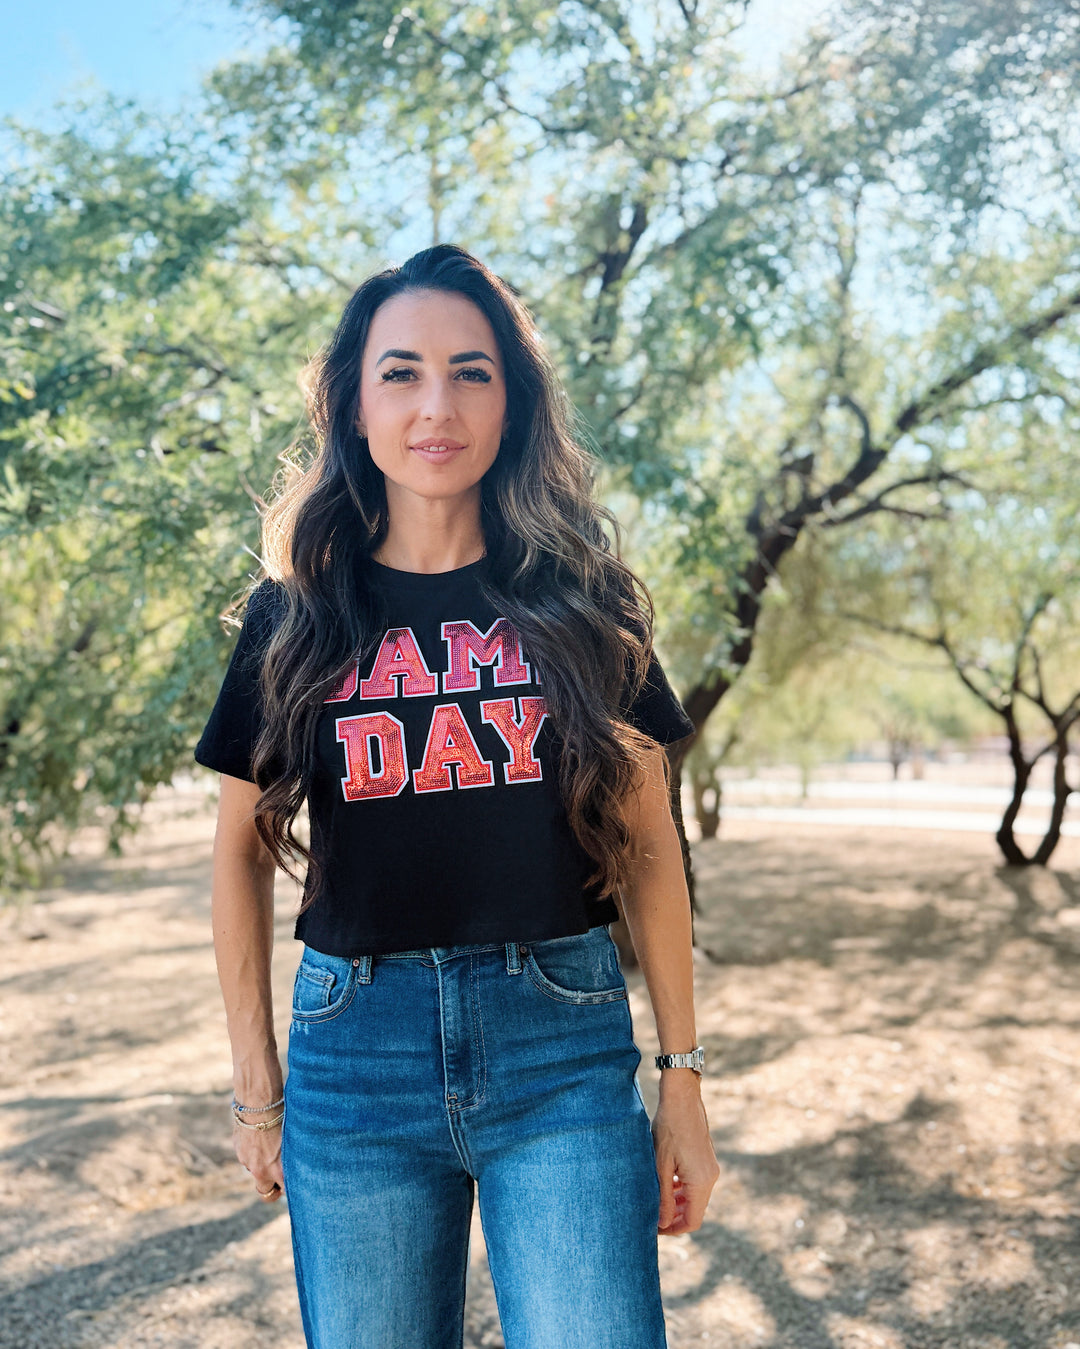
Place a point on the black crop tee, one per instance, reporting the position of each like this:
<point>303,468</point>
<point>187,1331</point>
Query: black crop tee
<point>434,804</point>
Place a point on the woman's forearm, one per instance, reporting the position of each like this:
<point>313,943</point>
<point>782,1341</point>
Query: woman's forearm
<point>659,924</point>
<point>656,906</point>
<point>242,903</point>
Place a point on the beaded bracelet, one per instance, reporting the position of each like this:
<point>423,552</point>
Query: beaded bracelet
<point>262,1125</point>
<point>256,1109</point>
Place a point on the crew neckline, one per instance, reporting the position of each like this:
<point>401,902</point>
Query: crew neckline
<point>424,580</point>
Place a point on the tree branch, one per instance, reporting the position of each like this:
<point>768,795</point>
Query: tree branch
<point>870,457</point>
<point>1037,608</point>
<point>985,356</point>
<point>940,642</point>
<point>878,503</point>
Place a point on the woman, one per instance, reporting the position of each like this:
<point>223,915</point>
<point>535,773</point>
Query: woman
<point>448,663</point>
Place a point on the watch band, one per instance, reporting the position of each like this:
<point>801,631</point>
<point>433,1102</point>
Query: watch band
<point>695,1059</point>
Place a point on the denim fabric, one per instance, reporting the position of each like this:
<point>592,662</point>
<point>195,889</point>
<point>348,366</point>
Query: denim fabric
<point>418,1077</point>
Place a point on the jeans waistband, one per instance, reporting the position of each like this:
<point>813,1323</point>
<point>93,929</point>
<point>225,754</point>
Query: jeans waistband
<point>438,955</point>
<point>446,952</point>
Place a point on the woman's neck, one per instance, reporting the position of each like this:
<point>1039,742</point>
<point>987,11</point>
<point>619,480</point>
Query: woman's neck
<point>431,540</point>
<point>427,560</point>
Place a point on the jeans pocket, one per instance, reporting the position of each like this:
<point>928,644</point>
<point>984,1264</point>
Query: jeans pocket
<point>583,968</point>
<point>323,987</point>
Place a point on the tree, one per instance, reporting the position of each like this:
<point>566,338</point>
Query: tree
<point>680,230</point>
<point>700,251</point>
<point>145,363</point>
<point>681,233</point>
<point>815,690</point>
<point>998,597</point>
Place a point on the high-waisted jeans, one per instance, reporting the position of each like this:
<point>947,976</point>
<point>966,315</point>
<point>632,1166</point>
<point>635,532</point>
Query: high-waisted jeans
<point>417,1076</point>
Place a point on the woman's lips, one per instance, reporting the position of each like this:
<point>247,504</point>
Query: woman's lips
<point>437,452</point>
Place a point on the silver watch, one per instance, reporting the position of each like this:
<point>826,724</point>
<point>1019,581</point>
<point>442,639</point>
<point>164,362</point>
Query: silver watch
<point>695,1059</point>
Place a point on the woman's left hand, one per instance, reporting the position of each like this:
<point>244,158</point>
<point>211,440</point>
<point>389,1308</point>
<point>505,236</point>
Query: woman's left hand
<point>685,1160</point>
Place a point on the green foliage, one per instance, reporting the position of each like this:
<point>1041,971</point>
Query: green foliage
<point>844,298</point>
<point>724,268</point>
<point>147,369</point>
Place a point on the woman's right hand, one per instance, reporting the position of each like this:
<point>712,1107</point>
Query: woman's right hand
<point>259,1152</point>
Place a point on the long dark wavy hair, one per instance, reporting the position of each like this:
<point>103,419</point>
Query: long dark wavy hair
<point>550,568</point>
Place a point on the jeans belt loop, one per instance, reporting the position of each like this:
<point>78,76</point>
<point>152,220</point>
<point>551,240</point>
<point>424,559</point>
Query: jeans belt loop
<point>513,957</point>
<point>363,969</point>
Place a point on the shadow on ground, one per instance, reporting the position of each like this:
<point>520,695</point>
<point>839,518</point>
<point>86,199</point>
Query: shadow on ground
<point>892,1024</point>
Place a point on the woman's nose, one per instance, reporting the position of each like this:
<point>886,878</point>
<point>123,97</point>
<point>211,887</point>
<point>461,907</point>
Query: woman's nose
<point>437,400</point>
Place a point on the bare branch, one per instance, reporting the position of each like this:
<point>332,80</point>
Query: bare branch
<point>614,260</point>
<point>49,310</point>
<point>894,662</point>
<point>868,460</point>
<point>1063,720</point>
<point>940,642</point>
<point>624,408</point>
<point>902,512</point>
<point>548,128</point>
<point>984,357</point>
<point>1022,641</point>
<point>250,491</point>
<point>199,359</point>
<point>870,457</point>
<point>1041,391</point>
<point>878,502</point>
<point>1040,691</point>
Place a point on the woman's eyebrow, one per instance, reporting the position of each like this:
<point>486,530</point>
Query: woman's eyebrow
<point>400,354</point>
<point>470,356</point>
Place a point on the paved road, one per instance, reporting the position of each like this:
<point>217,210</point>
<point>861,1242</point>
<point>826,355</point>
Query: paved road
<point>892,805</point>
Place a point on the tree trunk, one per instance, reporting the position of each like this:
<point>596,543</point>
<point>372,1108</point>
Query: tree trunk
<point>1006,839</point>
<point>708,815</point>
<point>1061,799</point>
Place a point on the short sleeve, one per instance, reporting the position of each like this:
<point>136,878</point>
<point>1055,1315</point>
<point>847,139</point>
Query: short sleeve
<point>657,711</point>
<point>229,736</point>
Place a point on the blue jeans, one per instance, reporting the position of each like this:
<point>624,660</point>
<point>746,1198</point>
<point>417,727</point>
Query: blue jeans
<point>417,1076</point>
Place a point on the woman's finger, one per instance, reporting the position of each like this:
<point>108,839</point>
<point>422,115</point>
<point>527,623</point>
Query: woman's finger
<point>665,1170</point>
<point>696,1201</point>
<point>269,1182</point>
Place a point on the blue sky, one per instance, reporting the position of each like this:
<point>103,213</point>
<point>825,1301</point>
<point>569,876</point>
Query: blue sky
<point>157,50</point>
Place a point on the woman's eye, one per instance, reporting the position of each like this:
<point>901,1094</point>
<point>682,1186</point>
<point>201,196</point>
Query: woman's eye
<point>403,374</point>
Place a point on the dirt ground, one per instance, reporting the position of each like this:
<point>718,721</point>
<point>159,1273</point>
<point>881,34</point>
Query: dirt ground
<point>892,1024</point>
